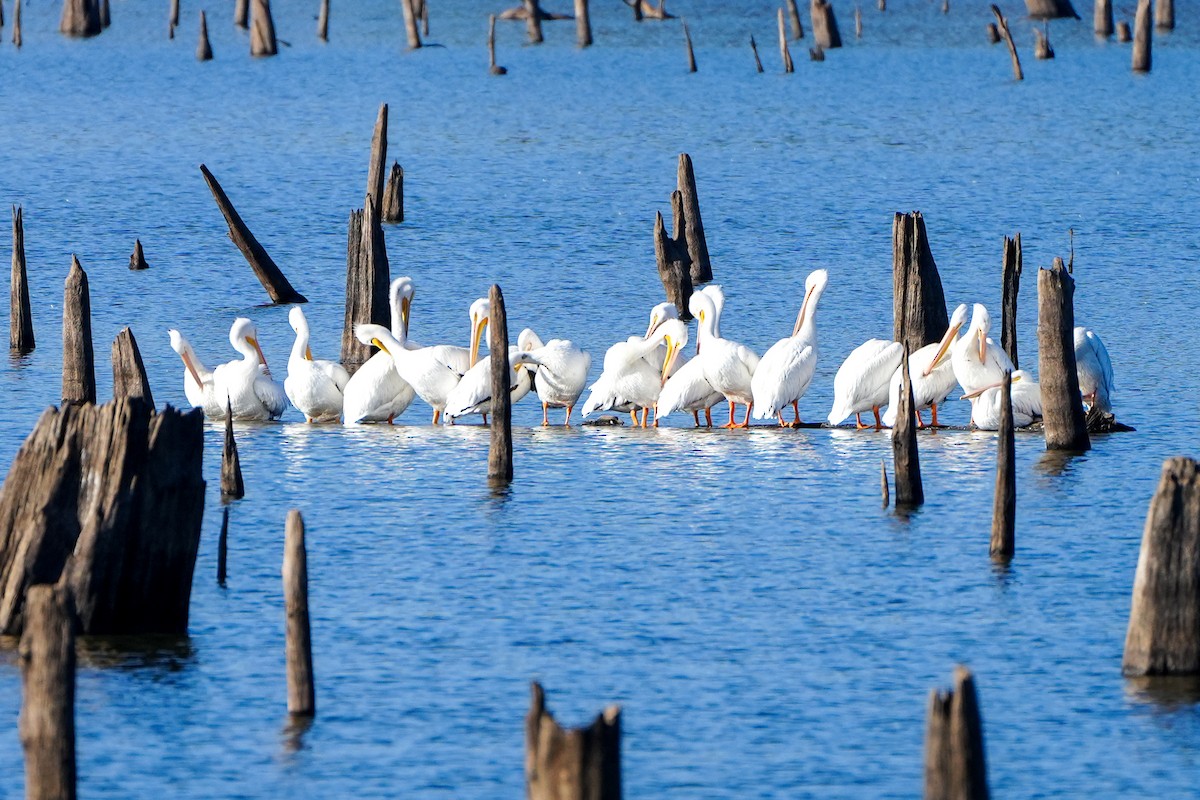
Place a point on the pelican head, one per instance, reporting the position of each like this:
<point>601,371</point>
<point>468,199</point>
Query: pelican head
<point>375,335</point>
<point>243,332</point>
<point>480,310</point>
<point>673,333</point>
<point>814,287</point>
<point>957,320</point>
<point>180,345</point>
<point>659,314</point>
<point>528,340</point>
<point>400,297</point>
<point>702,307</point>
<point>523,359</point>
<point>981,323</point>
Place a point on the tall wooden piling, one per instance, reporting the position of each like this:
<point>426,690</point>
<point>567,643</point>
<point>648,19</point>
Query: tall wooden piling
<point>393,195</point>
<point>533,21</point>
<point>793,12</point>
<point>375,168</point>
<point>1018,73</point>
<point>410,24</point>
<point>500,455</point>
<point>697,245</point>
<point>824,25</point>
<point>79,362</point>
<point>80,18</point>
<point>241,13</point>
<point>323,21</point>
<point>571,763</point>
<point>906,461</point>
<point>672,260</point>
<point>918,302</point>
<point>129,373</point>
<point>757,61</point>
<point>691,54</point>
<point>1004,506</point>
<point>20,316</point>
<point>47,721</point>
<point>784,53</point>
<point>583,24</point>
<point>223,548</point>
<point>203,46</point>
<point>955,767</point>
<point>1142,37</point>
<point>1010,288</point>
<point>1063,420</point>
<point>268,274</point>
<point>232,486</point>
<point>301,692</point>
<point>1163,637</point>
<point>1164,15</point>
<point>262,29</point>
<point>137,261</point>
<point>367,279</point>
<point>1102,18</point>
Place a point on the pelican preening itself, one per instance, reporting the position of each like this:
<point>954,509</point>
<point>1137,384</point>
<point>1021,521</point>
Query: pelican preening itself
<point>786,370</point>
<point>247,383</point>
<point>198,384</point>
<point>376,392</point>
<point>1094,369</point>
<point>560,372</point>
<point>686,388</point>
<point>863,380</point>
<point>473,394</point>
<point>931,374</point>
<point>629,382</point>
<point>314,386</point>
<point>727,365</point>
<point>1026,403</point>
<point>425,370</point>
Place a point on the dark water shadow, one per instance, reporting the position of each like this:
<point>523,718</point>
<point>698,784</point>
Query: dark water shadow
<point>172,653</point>
<point>1167,692</point>
<point>291,737</point>
<point>1056,463</point>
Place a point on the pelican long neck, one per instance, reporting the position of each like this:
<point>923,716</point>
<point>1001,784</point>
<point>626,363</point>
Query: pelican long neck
<point>707,322</point>
<point>399,329</point>
<point>715,324</point>
<point>300,349</point>
<point>806,324</point>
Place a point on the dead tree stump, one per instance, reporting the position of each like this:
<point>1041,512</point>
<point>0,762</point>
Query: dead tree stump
<point>47,721</point>
<point>232,487</point>
<point>857,22</point>
<point>262,30</point>
<point>20,316</point>
<point>691,55</point>
<point>673,261</point>
<point>571,763</point>
<point>301,691</point>
<point>79,361</point>
<point>500,450</point>
<point>1010,287</point>
<point>1008,40</point>
<point>80,18</point>
<point>105,14</point>
<point>697,245</point>
<point>1164,621</point>
<point>410,24</point>
<point>16,37</point>
<point>955,768</point>
<point>1041,45</point>
<point>1164,15</point>
<point>203,47</point>
<point>784,53</point>
<point>1123,34</point>
<point>1102,18</point>
<point>1050,9</point>
<point>1004,507</point>
<point>906,461</point>
<point>138,259</point>
<point>367,281</point>
<point>793,13</point>
<point>918,303</point>
<point>1142,37</point>
<point>375,167</point>
<point>824,25</point>
<point>129,373</point>
<point>993,33</point>
<point>393,195</point>
<point>757,61</point>
<point>323,21</point>
<point>533,21</point>
<point>1063,420</point>
<point>241,13</point>
<point>583,24</point>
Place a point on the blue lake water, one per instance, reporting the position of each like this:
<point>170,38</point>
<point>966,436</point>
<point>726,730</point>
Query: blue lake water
<point>768,630</point>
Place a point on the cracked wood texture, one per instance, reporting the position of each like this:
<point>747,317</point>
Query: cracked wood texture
<point>918,303</point>
<point>571,763</point>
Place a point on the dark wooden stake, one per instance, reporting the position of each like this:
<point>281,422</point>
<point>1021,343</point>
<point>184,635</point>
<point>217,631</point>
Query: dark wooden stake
<point>262,29</point>
<point>1004,507</point>
<point>367,279</point>
<point>1102,18</point>
<point>16,39</point>
<point>533,21</point>
<point>323,21</point>
<point>1164,621</point>
<point>691,55</point>
<point>945,6</point>
<point>203,48</point>
<point>269,275</point>
<point>423,13</point>
<point>784,53</point>
<point>20,319</point>
<point>79,363</point>
<point>824,25</point>
<point>129,373</point>
<point>223,548</point>
<point>571,763</point>
<point>1142,37</point>
<point>697,244</point>
<point>993,33</point>
<point>138,259</point>
<point>393,195</point>
<point>232,486</point>
<point>410,24</point>
<point>1164,15</point>
<point>955,768</point>
<point>500,452</point>
<point>1041,45</point>
<point>672,259</point>
<point>918,302</point>
<point>241,13</point>
<point>1123,34</point>
<point>47,721</point>
<point>80,18</point>
<point>757,61</point>
<point>301,693</point>
<point>1010,287</point>
<point>1063,420</point>
<point>794,18</point>
<point>857,22</point>
<point>583,24</point>
<point>105,14</point>
<point>378,161</point>
<point>883,483</point>
<point>906,461</point>
<point>1008,40</point>
<point>816,53</point>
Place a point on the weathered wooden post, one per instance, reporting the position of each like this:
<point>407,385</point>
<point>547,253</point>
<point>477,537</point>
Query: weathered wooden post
<point>824,25</point>
<point>500,454</point>
<point>421,9</point>
<point>1164,621</point>
<point>410,24</point>
<point>393,195</point>
<point>105,14</point>
<point>232,487</point>
<point>1050,9</point>
<point>697,245</point>
<point>673,261</point>
<point>793,12</point>
<point>1,13</point>
<point>1041,45</point>
<point>583,24</point>
<point>16,38</point>
<point>79,363</point>
<point>816,53</point>
<point>493,68</point>
<point>1063,420</point>
<point>1164,15</point>
<point>269,275</point>
<point>993,33</point>
<point>757,61</point>
<point>129,373</point>
<point>691,55</point>
<point>918,302</point>
<point>20,317</point>
<point>262,29</point>
<point>1004,507</point>
<point>367,281</point>
<point>883,483</point>
<point>857,22</point>
<point>378,159</point>
<point>571,764</point>
<point>173,19</point>
<point>80,18</point>
<point>301,693</point>
<point>1142,37</point>
<point>223,548</point>
<point>47,721</point>
<point>241,13</point>
<point>1102,18</point>
<point>1123,34</point>
<point>1008,40</point>
<point>533,21</point>
<point>138,259</point>
<point>784,53</point>
<point>323,21</point>
<point>955,767</point>
<point>203,48</point>
<point>1010,287</point>
<point>906,461</point>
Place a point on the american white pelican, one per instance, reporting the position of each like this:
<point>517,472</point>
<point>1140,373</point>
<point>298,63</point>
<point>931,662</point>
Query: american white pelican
<point>1094,369</point>
<point>314,386</point>
<point>197,378</point>
<point>787,368</point>
<point>686,388</point>
<point>930,373</point>
<point>561,372</point>
<point>977,360</point>
<point>247,383</point>
<point>629,381</point>
<point>861,383</point>
<point>473,394</point>
<point>425,370</point>
<point>376,392</point>
<point>1026,403</point>
<point>727,365</point>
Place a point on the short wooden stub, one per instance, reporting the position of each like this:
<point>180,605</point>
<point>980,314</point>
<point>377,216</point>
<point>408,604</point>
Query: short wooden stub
<point>906,461</point>
<point>955,767</point>
<point>1123,34</point>
<point>410,24</point>
<point>1010,287</point>
<point>80,18</point>
<point>993,33</point>
<point>583,24</point>
<point>697,245</point>
<point>500,453</point>
<point>883,484</point>
<point>129,373</point>
<point>758,67</point>
<point>137,260</point>
<point>824,25</point>
<point>1063,421</point>
<point>173,21</point>
<point>367,281</point>
<point>262,29</point>
<point>1164,15</point>
<point>376,166</point>
<point>784,53</point>
<point>571,763</point>
<point>47,721</point>
<point>1018,73</point>
<point>1164,621</point>
<point>241,13</point>
<point>918,302</point>
<point>232,487</point>
<point>857,22</point>
<point>1050,9</point>
<point>301,692</point>
<point>691,54</point>
<point>533,21</point>
<point>1004,507</point>
<point>1102,18</point>
<point>79,362</point>
<point>1142,37</point>
<point>816,53</point>
<point>223,548</point>
<point>673,262</point>
<point>203,47</point>
<point>16,37</point>
<point>323,21</point>
<point>793,12</point>
<point>20,317</point>
<point>393,195</point>
<point>1041,45</point>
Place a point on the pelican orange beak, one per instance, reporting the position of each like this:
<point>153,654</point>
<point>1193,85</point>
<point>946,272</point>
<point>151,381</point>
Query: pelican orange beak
<point>379,344</point>
<point>982,345</point>
<point>476,337</point>
<point>943,348</point>
<point>254,343</point>
<point>669,361</point>
<point>405,310</point>
<point>308,353</point>
<point>187,362</point>
<point>653,324</point>
<point>803,310</point>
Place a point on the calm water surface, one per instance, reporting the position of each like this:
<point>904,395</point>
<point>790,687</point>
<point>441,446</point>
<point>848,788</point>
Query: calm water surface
<point>768,629</point>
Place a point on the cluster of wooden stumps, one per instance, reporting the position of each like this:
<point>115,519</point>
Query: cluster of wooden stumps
<point>682,258</point>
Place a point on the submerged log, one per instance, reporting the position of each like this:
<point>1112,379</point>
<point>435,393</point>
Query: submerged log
<point>672,259</point>
<point>129,373</point>
<point>784,53</point>
<point>754,49</point>
<point>583,24</point>
<point>955,767</point>
<point>1010,287</point>
<point>47,721</point>
<point>367,280</point>
<point>1050,9</point>
<point>232,486</point>
<point>793,12</point>
<point>697,245</point>
<point>269,275</point>
<point>375,167</point>
<point>824,25</point>
<point>20,316</point>
<point>492,66</point>
<point>1142,37</point>
<point>1008,40</point>
<point>500,449</point>
<point>393,195</point>
<point>79,361</point>
<point>1164,15</point>
<point>691,55</point>
<point>262,29</point>
<point>203,47</point>
<point>301,690</point>
<point>1164,621</point>
<point>410,24</point>
<point>571,763</point>
<point>906,460</point>
<point>1063,420</point>
<point>1102,18</point>
<point>1004,506</point>
<point>138,259</point>
<point>80,18</point>
<point>323,21</point>
<point>918,302</point>
<point>241,13</point>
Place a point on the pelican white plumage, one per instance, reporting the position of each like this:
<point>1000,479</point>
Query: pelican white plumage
<point>1094,369</point>
<point>977,360</point>
<point>376,392</point>
<point>629,382</point>
<point>425,370</point>
<point>560,373</point>
<point>1026,403</point>
<point>787,367</point>
<point>686,388</point>
<point>314,386</point>
<point>931,374</point>
<point>247,383</point>
<point>862,381</point>
<point>197,379</point>
<point>473,394</point>
<point>728,365</point>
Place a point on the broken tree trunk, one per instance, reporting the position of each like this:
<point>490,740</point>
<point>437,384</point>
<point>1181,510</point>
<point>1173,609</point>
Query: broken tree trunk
<point>20,319</point>
<point>906,464</point>
<point>262,29</point>
<point>79,362</point>
<point>47,721</point>
<point>793,13</point>
<point>691,55</point>
<point>824,25</point>
<point>1164,621</point>
<point>757,61</point>
<point>697,245</point>
<point>583,24</point>
<point>1004,507</point>
<point>1010,287</point>
<point>1041,45</point>
<point>1123,34</point>
<point>1142,37</point>
<point>784,53</point>
<point>1050,9</point>
<point>918,303</point>
<point>533,21</point>
<point>232,487</point>
<point>269,275</point>
<point>1164,15</point>
<point>138,259</point>
<point>241,13</point>
<point>410,24</point>
<point>129,373</point>
<point>1063,420</point>
<point>500,449</point>
<point>80,18</point>
<point>301,690</point>
<point>673,261</point>
<point>1008,40</point>
<point>1102,18</point>
<point>323,21</point>
<point>203,47</point>
<point>378,160</point>
<point>571,763</point>
<point>955,768</point>
<point>393,195</point>
<point>367,279</point>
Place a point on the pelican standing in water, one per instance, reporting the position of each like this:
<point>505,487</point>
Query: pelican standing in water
<point>787,368</point>
<point>197,379</point>
<point>1094,369</point>
<point>560,372</point>
<point>629,381</point>
<point>314,386</point>
<point>977,360</point>
<point>861,383</point>
<point>247,383</point>
<point>425,370</point>
<point>473,394</point>
<point>1026,403</point>
<point>931,374</point>
<point>727,365</point>
<point>686,388</point>
<point>376,392</point>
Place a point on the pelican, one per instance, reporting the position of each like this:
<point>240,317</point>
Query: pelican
<point>787,368</point>
<point>629,381</point>
<point>314,386</point>
<point>1094,369</point>
<point>658,315</point>
<point>686,388</point>
<point>1026,403</point>
<point>425,370</point>
<point>197,378</point>
<point>561,372</point>
<point>977,361</point>
<point>376,392</point>
<point>931,374</point>
<point>861,383</point>
<point>247,383</point>
<point>473,394</point>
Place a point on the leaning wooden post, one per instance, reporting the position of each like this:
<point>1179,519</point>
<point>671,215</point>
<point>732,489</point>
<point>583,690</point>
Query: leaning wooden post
<point>47,721</point>
<point>793,13</point>
<point>232,487</point>
<point>410,24</point>
<point>757,61</point>
<point>918,302</point>
<point>1004,507</point>
<point>1102,18</point>
<point>203,47</point>
<point>1142,37</point>
<point>691,55</point>
<point>1164,15</point>
<point>323,21</point>
<point>697,245</point>
<point>1063,420</point>
<point>129,373</point>
<point>784,53</point>
<point>955,767</point>
<point>241,13</point>
<point>533,21</point>
<point>16,38</point>
<point>1010,287</point>
<point>301,693</point>
<point>883,484</point>
<point>393,195</point>
<point>79,364</point>
<point>583,24</point>
<point>571,763</point>
<point>1164,621</point>
<point>375,169</point>
<point>20,319</point>
<point>1008,40</point>
<point>824,25</point>
<point>906,461</point>
<point>262,29</point>
<point>500,455</point>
